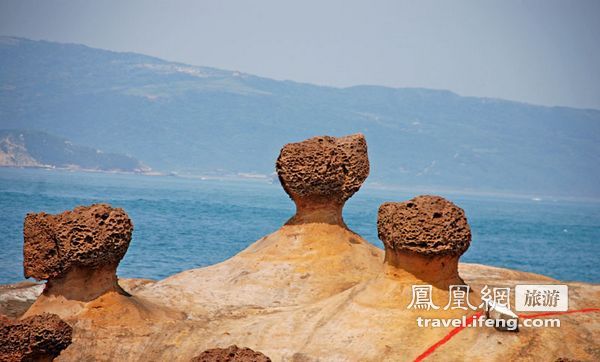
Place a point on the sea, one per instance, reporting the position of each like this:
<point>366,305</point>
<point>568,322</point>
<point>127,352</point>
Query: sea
<point>182,223</point>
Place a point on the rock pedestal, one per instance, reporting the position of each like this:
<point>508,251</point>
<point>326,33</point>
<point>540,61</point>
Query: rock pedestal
<point>77,251</point>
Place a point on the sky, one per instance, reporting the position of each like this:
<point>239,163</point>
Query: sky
<point>542,52</point>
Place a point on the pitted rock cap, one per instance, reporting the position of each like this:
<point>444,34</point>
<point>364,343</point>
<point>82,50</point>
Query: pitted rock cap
<point>324,167</point>
<point>231,354</point>
<point>37,338</point>
<point>427,225</point>
<point>88,236</point>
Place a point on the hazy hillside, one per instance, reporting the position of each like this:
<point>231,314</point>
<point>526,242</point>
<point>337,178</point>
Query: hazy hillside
<point>176,117</point>
<point>21,148</point>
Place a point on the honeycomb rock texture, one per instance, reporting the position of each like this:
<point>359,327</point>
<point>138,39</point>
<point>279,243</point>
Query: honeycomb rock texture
<point>231,354</point>
<point>40,337</point>
<point>324,168</point>
<point>88,236</point>
<point>428,225</point>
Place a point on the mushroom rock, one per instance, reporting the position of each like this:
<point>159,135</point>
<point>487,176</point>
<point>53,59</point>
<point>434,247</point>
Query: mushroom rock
<point>321,174</point>
<point>424,238</point>
<point>314,255</point>
<point>37,338</point>
<point>78,252</point>
<point>231,354</point>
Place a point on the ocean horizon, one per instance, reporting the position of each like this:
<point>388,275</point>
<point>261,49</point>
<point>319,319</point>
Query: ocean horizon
<point>184,223</point>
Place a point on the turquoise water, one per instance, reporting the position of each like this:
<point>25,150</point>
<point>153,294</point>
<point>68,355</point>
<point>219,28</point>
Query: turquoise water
<point>184,223</point>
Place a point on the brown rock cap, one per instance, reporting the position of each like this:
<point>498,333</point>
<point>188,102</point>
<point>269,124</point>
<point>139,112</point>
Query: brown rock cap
<point>89,237</point>
<point>40,337</point>
<point>324,168</point>
<point>231,354</point>
<point>426,225</point>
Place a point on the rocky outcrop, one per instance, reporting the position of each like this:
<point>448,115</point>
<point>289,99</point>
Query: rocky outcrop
<point>88,237</point>
<point>368,322</point>
<point>373,321</point>
<point>313,290</point>
<point>29,148</point>
<point>37,338</point>
<point>313,256</point>
<point>78,253</point>
<point>231,354</point>
<point>16,299</point>
<point>14,153</point>
<point>321,174</point>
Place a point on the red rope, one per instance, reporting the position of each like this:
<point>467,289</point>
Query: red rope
<point>446,338</point>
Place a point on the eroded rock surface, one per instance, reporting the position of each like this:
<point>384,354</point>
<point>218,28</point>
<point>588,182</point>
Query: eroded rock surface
<point>16,298</point>
<point>88,237</point>
<point>320,174</point>
<point>231,354</point>
<point>78,253</point>
<point>295,265</point>
<point>40,337</point>
<point>314,290</point>
<point>427,225</point>
<point>313,256</point>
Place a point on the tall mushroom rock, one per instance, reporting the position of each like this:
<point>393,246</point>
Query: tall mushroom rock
<point>424,238</point>
<point>37,338</point>
<point>320,174</point>
<point>313,256</point>
<point>77,251</point>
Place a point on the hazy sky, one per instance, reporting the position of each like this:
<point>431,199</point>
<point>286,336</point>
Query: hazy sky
<point>543,52</point>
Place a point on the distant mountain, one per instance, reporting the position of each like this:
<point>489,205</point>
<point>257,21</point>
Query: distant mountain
<point>20,148</point>
<point>200,120</point>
